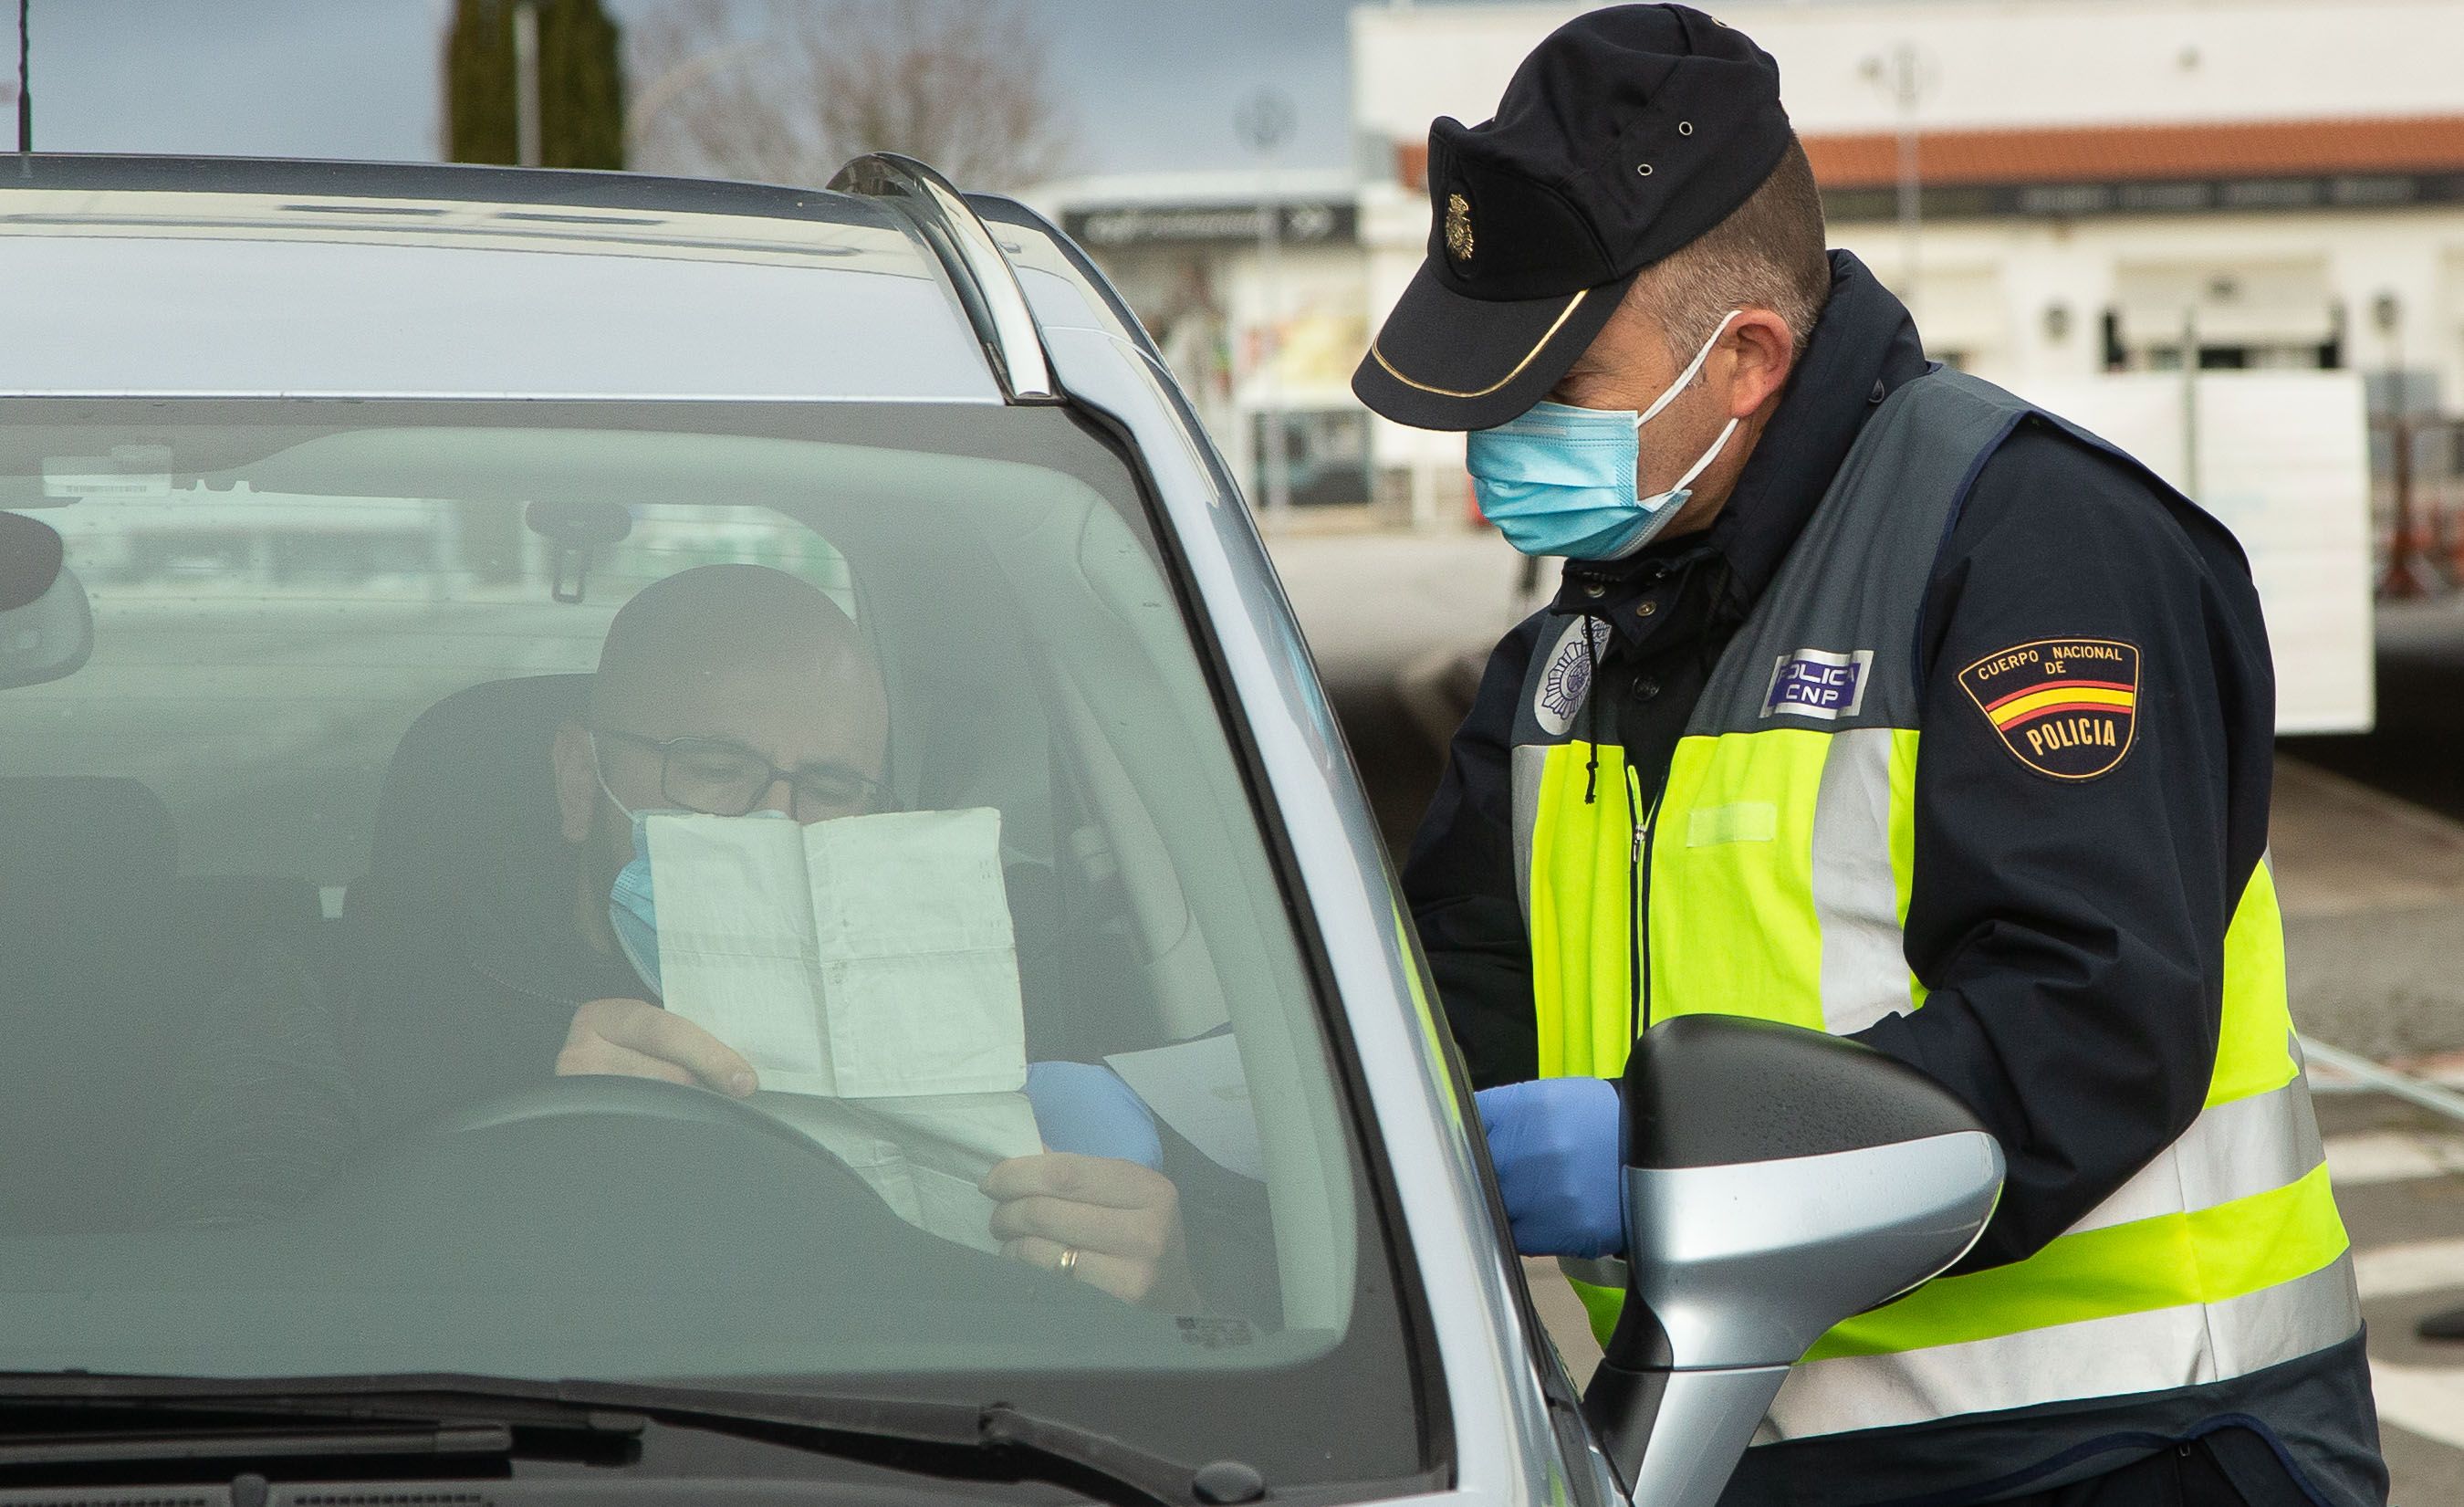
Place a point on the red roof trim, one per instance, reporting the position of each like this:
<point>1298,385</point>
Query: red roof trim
<point>2120,154</point>
<point>2146,153</point>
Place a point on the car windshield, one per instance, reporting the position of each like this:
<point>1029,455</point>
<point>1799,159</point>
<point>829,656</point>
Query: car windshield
<point>404,799</point>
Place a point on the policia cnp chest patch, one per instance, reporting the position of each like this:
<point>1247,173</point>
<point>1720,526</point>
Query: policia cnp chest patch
<point>2065,707</point>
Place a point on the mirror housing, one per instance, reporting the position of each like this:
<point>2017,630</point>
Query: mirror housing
<point>1778,1181</point>
<point>30,554</point>
<point>46,623</point>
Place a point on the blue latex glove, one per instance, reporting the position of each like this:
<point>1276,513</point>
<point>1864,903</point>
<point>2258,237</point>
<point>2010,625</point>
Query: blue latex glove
<point>1086,1108</point>
<point>1556,1146</point>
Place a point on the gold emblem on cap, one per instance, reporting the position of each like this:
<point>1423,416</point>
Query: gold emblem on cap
<point>1459,241</point>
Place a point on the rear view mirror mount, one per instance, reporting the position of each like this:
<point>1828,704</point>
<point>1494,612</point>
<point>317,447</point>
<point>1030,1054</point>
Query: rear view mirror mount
<point>578,530</point>
<point>1778,1181</point>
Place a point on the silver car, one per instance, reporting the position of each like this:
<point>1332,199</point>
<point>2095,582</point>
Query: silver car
<point>1107,1143</point>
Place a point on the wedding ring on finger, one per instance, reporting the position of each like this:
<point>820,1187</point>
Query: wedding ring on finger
<point>1069,1265</point>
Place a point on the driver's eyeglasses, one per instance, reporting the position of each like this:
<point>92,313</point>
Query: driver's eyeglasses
<point>719,777</point>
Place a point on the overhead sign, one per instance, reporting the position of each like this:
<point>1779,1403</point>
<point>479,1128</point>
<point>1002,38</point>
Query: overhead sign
<point>1308,222</point>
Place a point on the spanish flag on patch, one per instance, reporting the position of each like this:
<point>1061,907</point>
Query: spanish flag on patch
<point>2065,707</point>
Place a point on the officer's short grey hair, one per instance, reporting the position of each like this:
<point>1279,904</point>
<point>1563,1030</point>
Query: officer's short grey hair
<point>1770,252</point>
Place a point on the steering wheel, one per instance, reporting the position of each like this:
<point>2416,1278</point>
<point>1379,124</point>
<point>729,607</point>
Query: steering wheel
<point>593,1096</point>
<point>590,1222</point>
<point>602,1163</point>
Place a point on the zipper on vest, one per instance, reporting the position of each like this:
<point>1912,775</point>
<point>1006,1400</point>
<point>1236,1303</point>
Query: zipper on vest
<point>1638,933</point>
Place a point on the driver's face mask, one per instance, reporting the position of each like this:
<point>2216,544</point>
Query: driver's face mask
<point>1562,480</point>
<point>632,908</point>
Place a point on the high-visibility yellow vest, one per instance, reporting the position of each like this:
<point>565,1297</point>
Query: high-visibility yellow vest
<point>1770,877</point>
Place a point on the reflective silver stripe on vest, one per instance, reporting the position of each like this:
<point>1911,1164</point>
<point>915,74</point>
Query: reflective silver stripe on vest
<point>1528,760</point>
<point>2163,1348</point>
<point>2232,1150</point>
<point>1856,898</point>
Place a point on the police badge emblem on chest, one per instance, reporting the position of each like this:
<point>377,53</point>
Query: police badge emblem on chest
<point>2065,707</point>
<point>1566,675</point>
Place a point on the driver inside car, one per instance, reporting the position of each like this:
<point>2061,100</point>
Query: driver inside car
<point>736,690</point>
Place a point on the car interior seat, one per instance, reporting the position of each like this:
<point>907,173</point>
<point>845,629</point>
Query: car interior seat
<point>97,996</point>
<point>467,820</point>
<point>979,719</point>
<point>468,873</point>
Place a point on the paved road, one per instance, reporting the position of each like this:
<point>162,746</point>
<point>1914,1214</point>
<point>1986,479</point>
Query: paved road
<point>2399,1176</point>
<point>2399,1171</point>
<point>2377,883</point>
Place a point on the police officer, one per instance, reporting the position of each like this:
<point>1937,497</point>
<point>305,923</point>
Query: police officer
<point>1879,700</point>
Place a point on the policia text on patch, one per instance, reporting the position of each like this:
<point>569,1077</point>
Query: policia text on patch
<point>1880,701</point>
<point>2065,707</point>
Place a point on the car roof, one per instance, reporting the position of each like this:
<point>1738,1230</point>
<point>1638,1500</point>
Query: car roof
<point>224,276</point>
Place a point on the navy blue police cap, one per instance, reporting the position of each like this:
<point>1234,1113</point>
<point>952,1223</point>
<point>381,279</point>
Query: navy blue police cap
<point>1628,133</point>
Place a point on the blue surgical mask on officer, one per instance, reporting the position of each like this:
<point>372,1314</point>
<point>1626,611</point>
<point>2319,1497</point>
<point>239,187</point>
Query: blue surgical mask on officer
<point>1563,480</point>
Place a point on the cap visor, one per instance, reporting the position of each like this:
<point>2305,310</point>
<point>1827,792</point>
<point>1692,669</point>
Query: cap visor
<point>1444,360</point>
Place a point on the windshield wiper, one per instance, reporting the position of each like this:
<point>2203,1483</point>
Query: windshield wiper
<point>53,1424</point>
<point>992,1440</point>
<point>73,1420</point>
<point>170,1445</point>
<point>82,1429</point>
<point>947,1437</point>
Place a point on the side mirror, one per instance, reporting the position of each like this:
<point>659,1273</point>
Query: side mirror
<point>1778,1181</point>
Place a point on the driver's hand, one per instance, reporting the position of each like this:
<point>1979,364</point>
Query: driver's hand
<point>636,1039</point>
<point>1122,1219</point>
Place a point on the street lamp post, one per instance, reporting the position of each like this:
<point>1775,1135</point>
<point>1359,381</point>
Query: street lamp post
<point>1901,76</point>
<point>527,147</point>
<point>1266,122</point>
<point>25,75</point>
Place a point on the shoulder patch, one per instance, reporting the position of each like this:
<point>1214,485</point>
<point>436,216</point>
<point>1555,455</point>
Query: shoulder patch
<point>2065,707</point>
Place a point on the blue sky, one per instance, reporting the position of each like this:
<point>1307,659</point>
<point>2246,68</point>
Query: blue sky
<point>1153,83</point>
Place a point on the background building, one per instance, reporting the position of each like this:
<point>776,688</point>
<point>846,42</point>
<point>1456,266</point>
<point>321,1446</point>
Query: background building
<point>1261,314</point>
<point>2100,183</point>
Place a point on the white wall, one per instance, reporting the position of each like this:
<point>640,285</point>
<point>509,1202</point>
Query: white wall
<point>2416,255</point>
<point>1987,62</point>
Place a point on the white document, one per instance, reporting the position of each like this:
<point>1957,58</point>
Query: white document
<point>866,969</point>
<point>924,1154</point>
<point>1197,1087</point>
<point>854,959</point>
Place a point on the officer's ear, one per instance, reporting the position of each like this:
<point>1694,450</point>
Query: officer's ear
<point>1760,351</point>
<point>577,782</point>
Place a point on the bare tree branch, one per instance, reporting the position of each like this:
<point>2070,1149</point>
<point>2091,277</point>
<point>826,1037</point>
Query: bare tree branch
<point>789,90</point>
